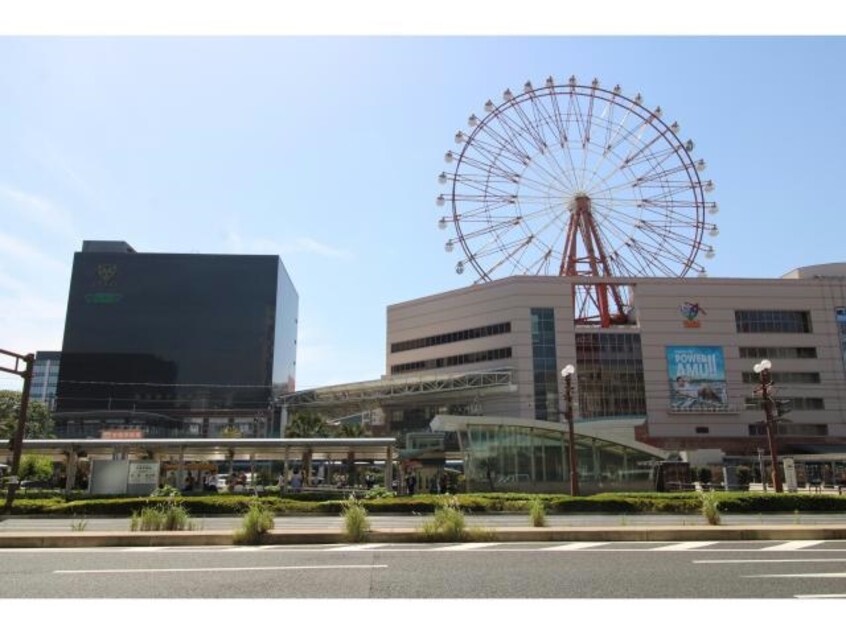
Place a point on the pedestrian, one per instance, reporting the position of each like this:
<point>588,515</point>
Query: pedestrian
<point>411,483</point>
<point>297,482</point>
<point>189,482</point>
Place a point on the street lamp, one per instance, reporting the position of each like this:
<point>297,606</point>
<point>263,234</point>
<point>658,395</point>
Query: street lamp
<point>762,368</point>
<point>567,373</point>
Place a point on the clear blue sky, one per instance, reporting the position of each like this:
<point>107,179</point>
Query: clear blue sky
<point>325,150</point>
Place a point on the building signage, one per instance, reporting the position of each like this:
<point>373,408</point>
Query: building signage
<point>697,377</point>
<point>143,473</point>
<point>790,475</point>
<point>690,311</point>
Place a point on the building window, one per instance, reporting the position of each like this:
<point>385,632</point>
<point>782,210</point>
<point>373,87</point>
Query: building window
<point>773,352</point>
<point>609,370</point>
<point>773,321</point>
<point>544,364</point>
<point>784,377</point>
<point>447,362</point>
<point>451,337</point>
<point>790,429</point>
<point>802,403</point>
<point>840,318</point>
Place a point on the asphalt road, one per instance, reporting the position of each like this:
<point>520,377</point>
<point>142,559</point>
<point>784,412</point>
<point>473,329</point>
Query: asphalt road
<point>787,570</point>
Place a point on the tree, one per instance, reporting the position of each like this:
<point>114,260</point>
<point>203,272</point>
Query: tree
<point>39,423</point>
<point>35,467</point>
<point>307,425</point>
<point>349,429</point>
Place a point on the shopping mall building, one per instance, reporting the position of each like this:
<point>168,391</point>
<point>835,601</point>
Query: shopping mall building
<point>682,364</point>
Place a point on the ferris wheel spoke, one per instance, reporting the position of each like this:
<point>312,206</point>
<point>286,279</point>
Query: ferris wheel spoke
<point>486,168</point>
<point>500,154</point>
<point>512,133</point>
<point>530,125</point>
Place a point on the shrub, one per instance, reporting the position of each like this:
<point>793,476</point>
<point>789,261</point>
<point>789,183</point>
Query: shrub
<point>448,523</point>
<point>711,508</point>
<point>356,524</point>
<point>34,467</point>
<point>537,512</point>
<point>165,491</point>
<point>257,522</point>
<point>379,492</point>
<point>79,525</point>
<point>162,517</point>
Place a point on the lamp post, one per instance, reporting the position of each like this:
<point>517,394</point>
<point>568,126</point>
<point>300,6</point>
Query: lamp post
<point>567,373</point>
<point>762,368</point>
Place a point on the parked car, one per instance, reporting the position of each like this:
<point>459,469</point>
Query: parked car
<point>36,484</point>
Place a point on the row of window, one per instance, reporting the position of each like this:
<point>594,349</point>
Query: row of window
<point>773,321</point>
<point>451,337</point>
<point>458,359</point>
<point>795,402</point>
<point>790,429</point>
<point>784,377</point>
<point>758,352</point>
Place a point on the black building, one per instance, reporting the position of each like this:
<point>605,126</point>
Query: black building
<point>167,344</point>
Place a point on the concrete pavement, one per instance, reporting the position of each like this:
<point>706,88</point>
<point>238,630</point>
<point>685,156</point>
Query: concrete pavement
<point>676,529</point>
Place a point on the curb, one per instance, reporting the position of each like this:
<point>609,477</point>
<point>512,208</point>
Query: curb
<point>403,535</point>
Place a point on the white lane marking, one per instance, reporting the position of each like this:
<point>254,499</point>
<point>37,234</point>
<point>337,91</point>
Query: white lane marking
<point>576,546</point>
<point>110,571</point>
<point>795,545</point>
<point>768,561</point>
<point>144,549</point>
<point>809,575</point>
<point>820,596</point>
<point>683,546</point>
<point>355,547</point>
<point>469,546</point>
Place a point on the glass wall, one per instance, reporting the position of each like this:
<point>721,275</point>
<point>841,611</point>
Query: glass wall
<point>524,458</point>
<point>609,370</point>
<point>544,364</point>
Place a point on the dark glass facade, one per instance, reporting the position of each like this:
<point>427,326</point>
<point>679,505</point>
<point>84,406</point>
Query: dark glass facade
<point>161,332</point>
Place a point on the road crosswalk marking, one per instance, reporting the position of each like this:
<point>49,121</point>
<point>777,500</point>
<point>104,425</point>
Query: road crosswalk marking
<point>576,546</point>
<point>359,547</point>
<point>468,546</point>
<point>684,546</point>
<point>795,545</point>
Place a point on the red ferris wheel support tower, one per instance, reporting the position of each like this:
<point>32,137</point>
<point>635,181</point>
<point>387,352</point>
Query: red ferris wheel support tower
<point>597,299</point>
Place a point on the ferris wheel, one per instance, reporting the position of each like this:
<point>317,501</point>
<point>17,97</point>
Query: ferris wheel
<point>577,180</point>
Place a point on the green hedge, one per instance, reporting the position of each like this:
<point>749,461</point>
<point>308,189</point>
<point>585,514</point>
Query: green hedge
<point>616,503</point>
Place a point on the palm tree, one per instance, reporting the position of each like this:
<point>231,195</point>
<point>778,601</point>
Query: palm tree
<point>307,425</point>
<point>351,430</point>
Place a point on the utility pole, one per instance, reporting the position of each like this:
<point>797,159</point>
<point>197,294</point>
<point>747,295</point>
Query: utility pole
<point>15,363</point>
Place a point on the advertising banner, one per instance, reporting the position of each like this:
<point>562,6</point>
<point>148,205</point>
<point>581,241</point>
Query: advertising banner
<point>697,377</point>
